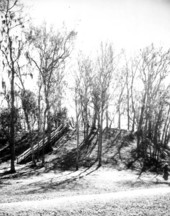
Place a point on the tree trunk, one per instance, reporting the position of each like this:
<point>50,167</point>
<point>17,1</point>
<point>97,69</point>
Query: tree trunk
<point>31,145</point>
<point>165,127</point>
<point>139,134</point>
<point>77,156</point>
<point>77,130</point>
<point>86,122</point>
<point>107,120</point>
<point>133,123</point>
<point>12,124</point>
<point>119,118</point>
<point>49,127</point>
<point>128,99</point>
<point>128,112</point>
<point>30,133</point>
<point>39,121</point>
<point>100,119</point>
<point>132,102</point>
<point>94,119</point>
<point>43,152</point>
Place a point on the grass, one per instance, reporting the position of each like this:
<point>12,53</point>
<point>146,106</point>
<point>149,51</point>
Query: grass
<point>135,206</point>
<point>47,183</point>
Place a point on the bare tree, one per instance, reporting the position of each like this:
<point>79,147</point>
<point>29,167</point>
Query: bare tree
<point>153,69</point>
<point>85,69</point>
<point>11,48</point>
<point>101,84</point>
<point>52,49</point>
<point>130,77</point>
<point>78,112</point>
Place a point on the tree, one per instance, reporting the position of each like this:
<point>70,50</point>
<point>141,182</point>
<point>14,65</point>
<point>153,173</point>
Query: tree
<point>11,49</point>
<point>121,84</point>
<point>153,71</point>
<point>5,116</point>
<point>78,111</point>
<point>101,84</point>
<point>132,69</point>
<point>128,93</point>
<point>30,111</point>
<point>50,51</point>
<point>85,70</point>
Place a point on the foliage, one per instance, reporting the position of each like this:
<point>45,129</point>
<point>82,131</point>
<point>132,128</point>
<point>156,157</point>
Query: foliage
<point>135,91</point>
<point>29,104</point>
<point>59,117</point>
<point>5,116</point>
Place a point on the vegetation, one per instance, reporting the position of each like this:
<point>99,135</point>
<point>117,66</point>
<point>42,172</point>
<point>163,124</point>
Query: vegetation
<point>64,114</point>
<point>106,90</point>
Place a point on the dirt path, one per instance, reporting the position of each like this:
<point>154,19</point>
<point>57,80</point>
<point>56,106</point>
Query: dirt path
<point>66,204</point>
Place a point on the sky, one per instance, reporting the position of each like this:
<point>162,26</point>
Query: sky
<point>128,24</point>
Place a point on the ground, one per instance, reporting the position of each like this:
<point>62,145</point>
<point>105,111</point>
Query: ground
<point>89,191</point>
<point>109,190</point>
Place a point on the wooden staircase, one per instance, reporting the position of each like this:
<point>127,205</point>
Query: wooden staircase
<point>38,147</point>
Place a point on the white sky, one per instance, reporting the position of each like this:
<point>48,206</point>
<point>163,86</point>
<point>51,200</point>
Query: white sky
<point>128,24</point>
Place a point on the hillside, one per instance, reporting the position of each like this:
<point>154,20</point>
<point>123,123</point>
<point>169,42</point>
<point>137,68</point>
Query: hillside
<point>118,151</point>
<point>53,181</point>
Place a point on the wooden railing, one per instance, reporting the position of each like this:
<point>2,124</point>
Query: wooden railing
<point>55,135</point>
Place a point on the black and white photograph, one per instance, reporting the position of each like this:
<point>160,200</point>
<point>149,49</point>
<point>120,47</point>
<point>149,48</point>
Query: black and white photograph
<point>84,107</point>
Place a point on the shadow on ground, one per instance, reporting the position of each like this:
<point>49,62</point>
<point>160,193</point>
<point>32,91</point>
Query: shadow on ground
<point>61,181</point>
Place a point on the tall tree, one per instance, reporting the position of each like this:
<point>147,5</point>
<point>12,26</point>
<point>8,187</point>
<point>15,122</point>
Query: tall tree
<point>78,112</point>
<point>153,71</point>
<point>85,68</point>
<point>50,51</point>
<point>101,84</point>
<point>30,111</point>
<point>11,48</point>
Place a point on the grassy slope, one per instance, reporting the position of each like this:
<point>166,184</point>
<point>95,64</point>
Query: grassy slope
<point>49,183</point>
<point>107,204</point>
